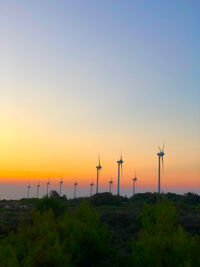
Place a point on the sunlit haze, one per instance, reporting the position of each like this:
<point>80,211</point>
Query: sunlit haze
<point>82,78</point>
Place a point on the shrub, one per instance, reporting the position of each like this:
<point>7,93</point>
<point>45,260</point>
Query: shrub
<point>55,204</point>
<point>74,239</point>
<point>161,241</point>
<point>107,199</point>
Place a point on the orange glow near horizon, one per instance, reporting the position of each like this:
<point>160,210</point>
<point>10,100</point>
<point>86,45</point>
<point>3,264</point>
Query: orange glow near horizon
<point>31,151</point>
<point>84,170</point>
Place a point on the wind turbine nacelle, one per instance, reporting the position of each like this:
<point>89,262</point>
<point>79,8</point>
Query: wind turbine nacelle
<point>161,154</point>
<point>120,161</point>
<point>98,167</point>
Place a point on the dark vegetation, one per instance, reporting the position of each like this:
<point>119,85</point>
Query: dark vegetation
<point>103,230</point>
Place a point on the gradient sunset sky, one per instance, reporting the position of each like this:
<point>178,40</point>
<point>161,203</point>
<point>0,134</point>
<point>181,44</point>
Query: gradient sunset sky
<point>80,78</point>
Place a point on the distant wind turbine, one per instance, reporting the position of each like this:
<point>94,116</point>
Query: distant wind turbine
<point>160,155</point>
<point>91,188</point>
<point>28,190</point>
<point>119,162</point>
<point>38,186</point>
<point>110,185</point>
<point>99,167</point>
<point>48,183</point>
<point>75,187</point>
<point>134,184</point>
<point>61,183</point>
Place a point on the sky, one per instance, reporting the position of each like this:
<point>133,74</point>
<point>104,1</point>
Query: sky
<point>80,78</point>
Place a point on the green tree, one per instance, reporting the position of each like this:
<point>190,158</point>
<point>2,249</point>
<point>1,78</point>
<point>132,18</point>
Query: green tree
<point>36,244</point>
<point>87,240</point>
<point>55,204</point>
<point>161,241</point>
<point>73,239</point>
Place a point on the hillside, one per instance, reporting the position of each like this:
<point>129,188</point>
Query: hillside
<point>120,214</point>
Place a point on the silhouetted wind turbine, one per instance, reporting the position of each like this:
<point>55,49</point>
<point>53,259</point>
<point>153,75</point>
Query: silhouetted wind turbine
<point>75,187</point>
<point>99,167</point>
<point>61,183</point>
<point>38,186</point>
<point>91,188</point>
<point>160,155</point>
<point>119,162</point>
<point>134,183</point>
<point>28,190</point>
<point>110,185</point>
<point>48,183</point>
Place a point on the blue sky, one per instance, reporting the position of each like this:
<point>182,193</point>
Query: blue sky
<point>103,70</point>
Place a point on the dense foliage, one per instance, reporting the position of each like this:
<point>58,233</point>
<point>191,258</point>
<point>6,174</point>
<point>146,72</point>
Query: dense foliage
<point>161,242</point>
<point>104,230</point>
<point>73,239</point>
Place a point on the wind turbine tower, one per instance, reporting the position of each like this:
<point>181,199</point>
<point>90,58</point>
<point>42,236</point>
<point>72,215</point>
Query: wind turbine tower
<point>75,187</point>
<point>38,186</point>
<point>48,183</point>
<point>110,185</point>
<point>134,184</point>
<point>91,188</point>
<point>119,162</point>
<point>99,167</point>
<point>28,190</point>
<point>160,155</point>
<point>61,183</point>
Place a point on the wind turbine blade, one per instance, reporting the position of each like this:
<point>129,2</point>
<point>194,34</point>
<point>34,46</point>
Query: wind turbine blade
<point>163,146</point>
<point>159,148</point>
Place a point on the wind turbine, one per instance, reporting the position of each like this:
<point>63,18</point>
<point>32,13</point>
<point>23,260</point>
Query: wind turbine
<point>119,162</point>
<point>28,190</point>
<point>75,187</point>
<point>134,184</point>
<point>91,188</point>
<point>48,183</point>
<point>99,167</point>
<point>110,185</point>
<point>38,186</point>
<point>160,155</point>
<point>61,183</point>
